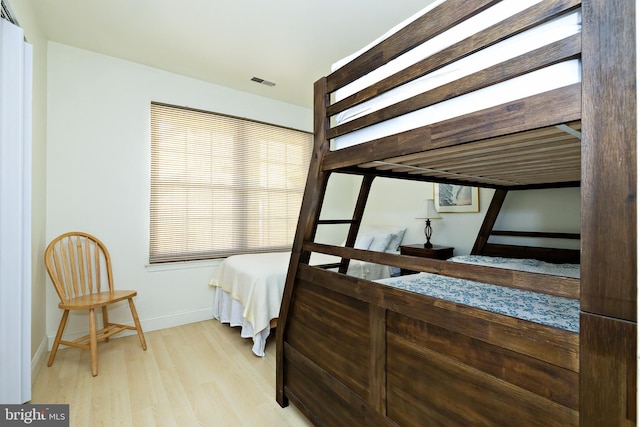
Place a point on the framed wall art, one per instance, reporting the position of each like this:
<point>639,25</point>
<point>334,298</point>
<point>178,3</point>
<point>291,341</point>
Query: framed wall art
<point>456,198</point>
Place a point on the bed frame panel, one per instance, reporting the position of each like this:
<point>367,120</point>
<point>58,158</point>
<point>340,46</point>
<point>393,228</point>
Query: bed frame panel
<point>355,352</point>
<point>409,356</point>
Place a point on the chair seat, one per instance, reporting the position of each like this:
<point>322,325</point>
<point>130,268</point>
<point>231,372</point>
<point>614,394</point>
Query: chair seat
<point>86,302</point>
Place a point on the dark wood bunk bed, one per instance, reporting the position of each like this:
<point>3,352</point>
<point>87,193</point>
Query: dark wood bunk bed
<point>356,352</point>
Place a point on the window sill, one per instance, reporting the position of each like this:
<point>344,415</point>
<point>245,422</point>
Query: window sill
<point>185,265</point>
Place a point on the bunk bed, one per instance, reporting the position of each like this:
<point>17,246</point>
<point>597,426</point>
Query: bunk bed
<point>359,352</point>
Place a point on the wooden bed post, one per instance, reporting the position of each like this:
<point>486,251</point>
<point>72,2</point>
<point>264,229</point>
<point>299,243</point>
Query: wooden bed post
<point>608,323</point>
<point>307,223</point>
<point>489,221</point>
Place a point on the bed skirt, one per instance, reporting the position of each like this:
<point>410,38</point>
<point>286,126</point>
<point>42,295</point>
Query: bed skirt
<point>229,310</point>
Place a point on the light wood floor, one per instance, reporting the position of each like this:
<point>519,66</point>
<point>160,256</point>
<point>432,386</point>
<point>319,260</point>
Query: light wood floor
<point>202,374</point>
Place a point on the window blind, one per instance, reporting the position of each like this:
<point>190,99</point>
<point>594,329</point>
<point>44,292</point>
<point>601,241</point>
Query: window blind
<point>222,185</point>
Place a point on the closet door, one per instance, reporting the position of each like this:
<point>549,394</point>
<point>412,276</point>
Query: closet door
<point>15,215</point>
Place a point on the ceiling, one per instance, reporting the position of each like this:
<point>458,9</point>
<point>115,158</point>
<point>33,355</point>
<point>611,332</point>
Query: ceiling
<point>289,42</point>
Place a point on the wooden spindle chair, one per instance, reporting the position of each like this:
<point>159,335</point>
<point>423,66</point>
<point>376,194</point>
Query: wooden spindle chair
<point>79,266</point>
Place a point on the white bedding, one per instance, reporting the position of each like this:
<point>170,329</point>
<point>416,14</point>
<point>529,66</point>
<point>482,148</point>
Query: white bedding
<point>549,78</point>
<point>248,293</point>
<point>249,288</point>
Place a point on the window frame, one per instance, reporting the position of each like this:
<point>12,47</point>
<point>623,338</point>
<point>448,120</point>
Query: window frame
<point>250,232</point>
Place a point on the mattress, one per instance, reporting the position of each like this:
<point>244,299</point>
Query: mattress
<point>554,311</point>
<point>546,79</point>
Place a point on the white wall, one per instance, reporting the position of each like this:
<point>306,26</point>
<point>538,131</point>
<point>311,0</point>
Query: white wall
<point>552,210</point>
<point>400,201</point>
<point>98,172</point>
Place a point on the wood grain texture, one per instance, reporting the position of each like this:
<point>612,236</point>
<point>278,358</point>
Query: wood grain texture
<point>358,212</point>
<point>432,349</point>
<point>513,25</point>
<point>608,374</point>
<point>552,285</point>
<point>328,327</point>
<point>497,200</point>
<point>490,135</point>
<point>436,22</point>
<point>551,54</point>
<point>609,203</point>
<point>609,183</point>
<point>315,189</point>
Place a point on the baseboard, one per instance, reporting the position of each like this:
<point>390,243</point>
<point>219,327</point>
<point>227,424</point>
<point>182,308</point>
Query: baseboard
<point>176,319</point>
<point>39,359</point>
<point>148,325</point>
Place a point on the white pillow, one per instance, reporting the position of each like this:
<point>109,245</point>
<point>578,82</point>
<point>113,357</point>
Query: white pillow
<point>380,242</point>
<point>396,240</point>
<point>396,232</point>
<point>362,242</point>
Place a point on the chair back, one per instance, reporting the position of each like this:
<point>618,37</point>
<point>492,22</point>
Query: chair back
<point>78,264</point>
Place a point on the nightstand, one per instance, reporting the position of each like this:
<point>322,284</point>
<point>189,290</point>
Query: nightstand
<point>434,252</point>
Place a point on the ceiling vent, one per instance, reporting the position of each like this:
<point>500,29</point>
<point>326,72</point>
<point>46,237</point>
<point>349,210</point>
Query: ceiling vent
<point>262,81</point>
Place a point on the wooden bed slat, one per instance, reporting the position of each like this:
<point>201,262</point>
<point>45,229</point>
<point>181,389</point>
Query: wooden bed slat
<point>560,286</point>
<point>516,24</point>
<point>492,145</point>
<point>545,379</point>
<point>440,382</point>
<point>426,27</point>
<point>501,124</point>
<point>312,388</point>
<point>545,56</point>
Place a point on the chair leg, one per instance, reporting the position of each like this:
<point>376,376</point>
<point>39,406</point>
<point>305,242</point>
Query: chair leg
<point>56,342</point>
<point>105,320</point>
<point>136,320</point>
<point>93,342</point>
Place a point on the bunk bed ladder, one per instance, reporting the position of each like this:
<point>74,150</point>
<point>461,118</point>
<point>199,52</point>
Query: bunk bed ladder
<point>354,222</point>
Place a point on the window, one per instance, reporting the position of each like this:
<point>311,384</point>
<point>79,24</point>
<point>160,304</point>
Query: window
<point>222,185</point>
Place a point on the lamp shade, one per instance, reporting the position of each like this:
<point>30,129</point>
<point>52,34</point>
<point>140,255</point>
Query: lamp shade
<point>428,210</point>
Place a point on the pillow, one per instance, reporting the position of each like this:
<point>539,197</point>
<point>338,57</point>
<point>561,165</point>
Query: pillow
<point>396,240</point>
<point>397,234</point>
<point>380,242</point>
<point>362,242</point>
